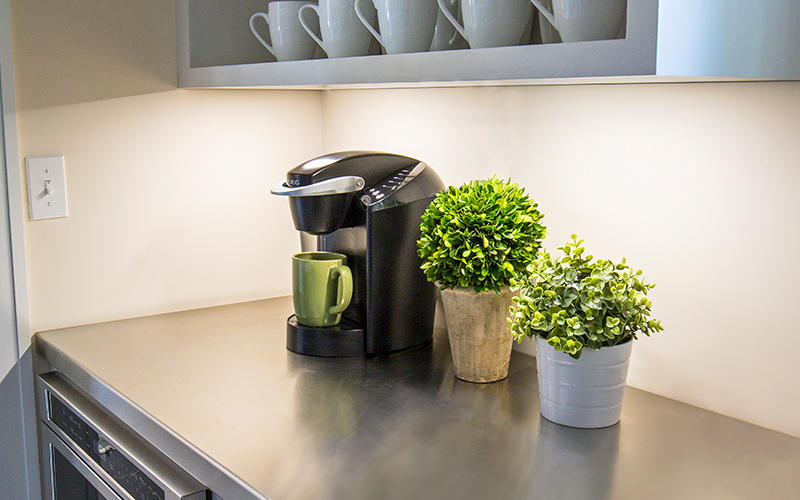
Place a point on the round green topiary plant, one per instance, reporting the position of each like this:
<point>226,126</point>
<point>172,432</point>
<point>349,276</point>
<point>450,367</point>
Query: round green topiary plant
<point>573,302</point>
<point>480,235</point>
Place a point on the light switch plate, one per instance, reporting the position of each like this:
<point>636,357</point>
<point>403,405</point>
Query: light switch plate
<point>47,187</point>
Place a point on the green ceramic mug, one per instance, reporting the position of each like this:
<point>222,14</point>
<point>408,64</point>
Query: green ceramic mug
<point>322,286</point>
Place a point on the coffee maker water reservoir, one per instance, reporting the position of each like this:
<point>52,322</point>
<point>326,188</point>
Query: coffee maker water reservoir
<point>366,205</point>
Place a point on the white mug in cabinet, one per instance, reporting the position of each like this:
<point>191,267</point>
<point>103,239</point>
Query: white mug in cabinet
<point>491,23</point>
<point>405,25</point>
<point>343,35</point>
<point>290,42</point>
<point>584,20</point>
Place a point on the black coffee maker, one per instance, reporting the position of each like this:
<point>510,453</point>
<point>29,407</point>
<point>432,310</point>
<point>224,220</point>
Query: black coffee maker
<point>366,205</point>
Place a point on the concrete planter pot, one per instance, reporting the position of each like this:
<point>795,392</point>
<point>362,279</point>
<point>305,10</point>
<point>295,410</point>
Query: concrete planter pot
<point>477,327</point>
<point>585,392</point>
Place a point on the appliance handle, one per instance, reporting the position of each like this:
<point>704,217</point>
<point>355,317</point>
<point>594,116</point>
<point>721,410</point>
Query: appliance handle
<point>337,185</point>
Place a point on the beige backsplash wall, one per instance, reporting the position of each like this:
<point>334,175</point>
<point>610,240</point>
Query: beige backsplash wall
<point>696,184</point>
<point>169,204</point>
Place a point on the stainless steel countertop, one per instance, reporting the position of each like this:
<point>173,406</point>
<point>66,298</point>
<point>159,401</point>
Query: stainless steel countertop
<point>218,392</point>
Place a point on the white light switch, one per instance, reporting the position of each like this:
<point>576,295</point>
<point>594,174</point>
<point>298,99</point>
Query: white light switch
<point>47,187</point>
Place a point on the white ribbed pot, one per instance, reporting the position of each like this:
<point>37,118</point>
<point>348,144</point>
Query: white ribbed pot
<point>585,392</point>
<point>477,326</point>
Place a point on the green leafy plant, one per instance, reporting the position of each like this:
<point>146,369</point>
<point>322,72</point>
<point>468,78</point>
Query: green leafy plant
<point>480,235</point>
<point>575,302</point>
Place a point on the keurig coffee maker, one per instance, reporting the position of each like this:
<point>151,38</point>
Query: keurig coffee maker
<point>366,205</point>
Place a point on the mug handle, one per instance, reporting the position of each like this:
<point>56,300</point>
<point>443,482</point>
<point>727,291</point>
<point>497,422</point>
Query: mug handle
<point>366,23</point>
<point>345,291</point>
<point>546,13</point>
<point>452,20</point>
<point>305,26</point>
<point>255,31</point>
<point>452,41</point>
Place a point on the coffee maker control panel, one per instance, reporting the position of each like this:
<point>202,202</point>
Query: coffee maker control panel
<point>384,189</point>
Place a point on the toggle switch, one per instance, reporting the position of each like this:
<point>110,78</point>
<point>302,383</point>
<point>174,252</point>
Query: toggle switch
<point>47,187</point>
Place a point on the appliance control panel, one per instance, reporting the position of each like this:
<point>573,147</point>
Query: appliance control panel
<point>387,187</point>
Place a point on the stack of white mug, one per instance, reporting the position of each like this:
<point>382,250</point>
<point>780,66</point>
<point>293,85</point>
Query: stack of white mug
<point>344,28</point>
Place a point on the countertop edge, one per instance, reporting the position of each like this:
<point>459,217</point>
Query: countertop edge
<point>197,463</point>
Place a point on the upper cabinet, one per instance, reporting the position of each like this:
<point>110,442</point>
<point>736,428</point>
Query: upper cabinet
<point>659,41</point>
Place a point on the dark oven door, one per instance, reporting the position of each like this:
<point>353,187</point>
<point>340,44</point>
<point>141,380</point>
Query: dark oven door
<point>67,477</point>
<point>89,454</point>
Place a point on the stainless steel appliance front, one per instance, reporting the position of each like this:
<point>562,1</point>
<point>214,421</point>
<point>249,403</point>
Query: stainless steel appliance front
<point>89,455</point>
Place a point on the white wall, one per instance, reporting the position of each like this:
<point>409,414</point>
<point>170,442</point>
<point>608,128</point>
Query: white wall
<point>169,204</point>
<point>168,190</point>
<point>696,184</point>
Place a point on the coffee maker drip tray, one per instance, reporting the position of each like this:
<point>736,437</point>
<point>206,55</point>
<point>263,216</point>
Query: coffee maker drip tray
<point>341,341</point>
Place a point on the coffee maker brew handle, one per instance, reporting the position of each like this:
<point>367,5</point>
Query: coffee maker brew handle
<point>345,291</point>
<point>337,185</point>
